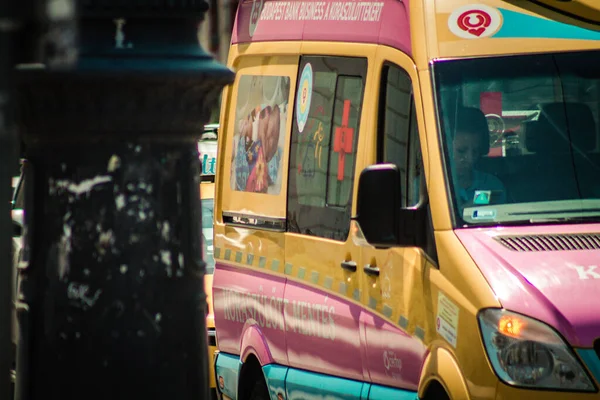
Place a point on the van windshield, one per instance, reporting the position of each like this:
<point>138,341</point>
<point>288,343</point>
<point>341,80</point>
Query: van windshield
<point>520,137</point>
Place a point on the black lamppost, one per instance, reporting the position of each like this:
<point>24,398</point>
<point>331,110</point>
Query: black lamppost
<point>11,13</point>
<point>111,300</point>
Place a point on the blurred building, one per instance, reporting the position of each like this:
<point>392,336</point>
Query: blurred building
<point>215,35</point>
<point>215,30</point>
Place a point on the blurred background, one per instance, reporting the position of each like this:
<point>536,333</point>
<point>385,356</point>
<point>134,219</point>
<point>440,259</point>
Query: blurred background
<point>215,35</point>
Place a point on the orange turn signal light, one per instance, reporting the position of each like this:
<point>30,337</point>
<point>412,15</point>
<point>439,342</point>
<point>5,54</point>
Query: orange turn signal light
<point>511,326</point>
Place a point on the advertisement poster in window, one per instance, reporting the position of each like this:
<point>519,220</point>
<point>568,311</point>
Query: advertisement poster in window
<point>259,135</point>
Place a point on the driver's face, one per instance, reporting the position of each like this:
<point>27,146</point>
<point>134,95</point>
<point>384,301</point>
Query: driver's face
<point>466,151</point>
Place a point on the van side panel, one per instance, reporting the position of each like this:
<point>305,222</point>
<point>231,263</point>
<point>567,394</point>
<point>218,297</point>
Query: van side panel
<point>323,331</point>
<point>394,357</point>
<point>254,343</point>
<point>248,308</point>
<point>323,316</point>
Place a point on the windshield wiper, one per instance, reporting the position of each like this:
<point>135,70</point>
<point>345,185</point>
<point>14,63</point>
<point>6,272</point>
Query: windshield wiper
<point>586,218</point>
<point>533,221</point>
<point>519,222</point>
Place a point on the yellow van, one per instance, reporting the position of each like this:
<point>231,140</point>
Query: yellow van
<point>408,201</point>
<point>207,150</point>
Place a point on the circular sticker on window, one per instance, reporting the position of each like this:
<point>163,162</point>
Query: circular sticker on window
<point>304,96</point>
<point>475,21</point>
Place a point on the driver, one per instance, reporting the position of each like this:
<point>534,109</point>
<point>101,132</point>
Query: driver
<point>471,142</point>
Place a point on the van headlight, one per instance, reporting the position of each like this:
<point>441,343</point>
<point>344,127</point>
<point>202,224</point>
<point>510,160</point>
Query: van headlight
<point>527,353</point>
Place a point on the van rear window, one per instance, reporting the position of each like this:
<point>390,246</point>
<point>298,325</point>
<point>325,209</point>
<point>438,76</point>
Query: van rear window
<point>259,133</point>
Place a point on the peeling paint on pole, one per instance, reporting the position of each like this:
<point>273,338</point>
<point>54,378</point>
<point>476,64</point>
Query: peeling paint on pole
<point>112,266</point>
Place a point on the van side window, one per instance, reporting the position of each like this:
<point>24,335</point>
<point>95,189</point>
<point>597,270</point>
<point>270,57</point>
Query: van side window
<point>398,137</point>
<point>323,147</point>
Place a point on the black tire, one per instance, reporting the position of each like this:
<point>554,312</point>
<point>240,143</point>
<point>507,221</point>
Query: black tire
<point>437,392</point>
<point>259,391</point>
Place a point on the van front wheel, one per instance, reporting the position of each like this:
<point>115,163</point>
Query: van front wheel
<point>436,392</point>
<point>252,381</point>
<point>259,390</point>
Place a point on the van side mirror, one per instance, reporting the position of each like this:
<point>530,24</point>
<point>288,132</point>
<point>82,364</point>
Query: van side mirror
<point>378,204</point>
<point>379,212</point>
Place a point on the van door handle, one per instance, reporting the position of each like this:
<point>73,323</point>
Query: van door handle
<point>349,266</point>
<point>371,270</point>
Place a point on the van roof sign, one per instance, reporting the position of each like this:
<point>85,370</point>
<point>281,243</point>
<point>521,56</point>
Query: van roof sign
<point>346,20</point>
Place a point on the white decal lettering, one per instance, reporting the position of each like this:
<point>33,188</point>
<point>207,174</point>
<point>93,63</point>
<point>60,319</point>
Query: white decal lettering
<point>331,323</point>
<point>586,272</point>
<point>308,319</point>
<point>361,11</point>
<point>391,361</point>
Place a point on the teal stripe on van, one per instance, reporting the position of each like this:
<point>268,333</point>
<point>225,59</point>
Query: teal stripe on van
<point>591,361</point>
<point>275,376</point>
<point>304,384</point>
<point>294,384</point>
<point>385,392</point>
<point>520,25</point>
<point>228,367</point>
